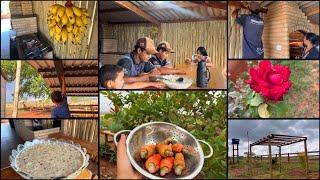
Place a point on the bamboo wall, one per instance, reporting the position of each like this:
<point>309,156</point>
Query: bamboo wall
<point>82,129</point>
<point>41,8</point>
<point>183,37</point>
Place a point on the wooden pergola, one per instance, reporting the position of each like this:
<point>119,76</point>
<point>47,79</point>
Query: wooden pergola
<point>279,141</point>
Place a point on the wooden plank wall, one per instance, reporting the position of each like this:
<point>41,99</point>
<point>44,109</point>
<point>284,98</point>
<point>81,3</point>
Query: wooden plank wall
<point>184,38</point>
<point>41,8</point>
<point>82,129</point>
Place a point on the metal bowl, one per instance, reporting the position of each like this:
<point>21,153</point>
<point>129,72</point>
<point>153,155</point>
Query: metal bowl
<point>155,132</point>
<point>28,144</point>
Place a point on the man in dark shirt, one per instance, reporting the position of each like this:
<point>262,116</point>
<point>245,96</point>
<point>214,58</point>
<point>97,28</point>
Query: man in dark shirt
<point>252,32</point>
<point>161,62</point>
<point>136,64</point>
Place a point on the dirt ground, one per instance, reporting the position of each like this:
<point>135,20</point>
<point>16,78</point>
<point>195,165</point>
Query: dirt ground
<point>108,170</point>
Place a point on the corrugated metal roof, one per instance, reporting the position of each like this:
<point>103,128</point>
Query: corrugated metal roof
<point>81,76</point>
<point>164,11</point>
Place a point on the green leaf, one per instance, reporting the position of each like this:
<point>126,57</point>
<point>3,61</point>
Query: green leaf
<point>256,100</point>
<point>279,109</point>
<point>263,112</point>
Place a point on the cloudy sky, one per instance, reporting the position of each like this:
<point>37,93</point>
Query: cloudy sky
<point>260,128</point>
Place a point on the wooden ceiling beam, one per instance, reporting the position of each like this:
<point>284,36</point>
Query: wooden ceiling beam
<point>69,69</point>
<point>59,69</point>
<point>138,11</point>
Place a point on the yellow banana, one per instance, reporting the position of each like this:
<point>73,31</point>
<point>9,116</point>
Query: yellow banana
<point>58,29</point>
<point>78,39</point>
<point>76,11</point>
<point>57,37</point>
<point>70,37</point>
<point>56,17</point>
<point>64,19</point>
<point>75,30</point>
<point>72,19</point>
<point>82,30</point>
<point>52,23</point>
<point>84,20</point>
<point>61,11</point>
<point>51,32</point>
<point>84,12</point>
<point>79,21</point>
<point>53,9</point>
<point>69,27</point>
<point>69,12</point>
<point>64,35</point>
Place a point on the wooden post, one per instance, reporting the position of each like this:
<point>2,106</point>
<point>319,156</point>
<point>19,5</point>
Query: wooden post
<point>261,158</point>
<point>250,160</point>
<point>16,91</point>
<point>288,157</point>
<point>233,153</point>
<point>280,159</point>
<point>238,153</point>
<point>270,158</point>
<point>306,154</point>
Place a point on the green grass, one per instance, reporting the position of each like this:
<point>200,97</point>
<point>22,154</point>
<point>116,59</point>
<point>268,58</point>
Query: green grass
<point>260,170</point>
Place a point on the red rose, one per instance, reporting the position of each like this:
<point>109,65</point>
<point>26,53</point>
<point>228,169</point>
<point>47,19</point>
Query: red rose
<point>272,82</point>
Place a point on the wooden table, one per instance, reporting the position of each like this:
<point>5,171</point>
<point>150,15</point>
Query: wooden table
<point>217,80</point>
<point>9,173</point>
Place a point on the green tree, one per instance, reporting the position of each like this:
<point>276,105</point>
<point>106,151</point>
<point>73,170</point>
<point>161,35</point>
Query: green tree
<point>31,83</point>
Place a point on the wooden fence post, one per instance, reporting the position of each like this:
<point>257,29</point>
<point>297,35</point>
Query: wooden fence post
<point>280,159</point>
<point>270,158</point>
<point>306,155</point>
<point>288,157</point>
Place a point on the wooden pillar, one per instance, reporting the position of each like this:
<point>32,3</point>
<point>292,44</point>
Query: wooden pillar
<point>261,157</point>
<point>16,91</point>
<point>306,154</point>
<point>270,158</point>
<point>238,153</point>
<point>288,157</point>
<point>233,153</point>
<point>280,159</point>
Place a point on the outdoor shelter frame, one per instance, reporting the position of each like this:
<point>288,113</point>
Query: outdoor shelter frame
<point>279,141</point>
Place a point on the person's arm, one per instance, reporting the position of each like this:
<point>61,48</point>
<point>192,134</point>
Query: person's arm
<point>166,70</point>
<point>63,86</point>
<point>209,62</point>
<point>141,85</point>
<point>143,77</point>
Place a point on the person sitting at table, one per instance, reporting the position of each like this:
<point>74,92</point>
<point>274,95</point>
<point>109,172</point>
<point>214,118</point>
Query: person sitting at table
<point>311,44</point>
<point>161,62</point>
<point>59,98</point>
<point>136,64</point>
<point>201,55</point>
<point>112,77</point>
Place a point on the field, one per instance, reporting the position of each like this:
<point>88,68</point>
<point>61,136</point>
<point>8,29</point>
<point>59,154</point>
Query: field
<point>260,170</point>
<point>42,109</point>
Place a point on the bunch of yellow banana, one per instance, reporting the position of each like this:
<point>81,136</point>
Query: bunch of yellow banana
<point>67,23</point>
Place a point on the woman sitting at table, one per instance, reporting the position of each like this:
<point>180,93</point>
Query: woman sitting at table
<point>201,55</point>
